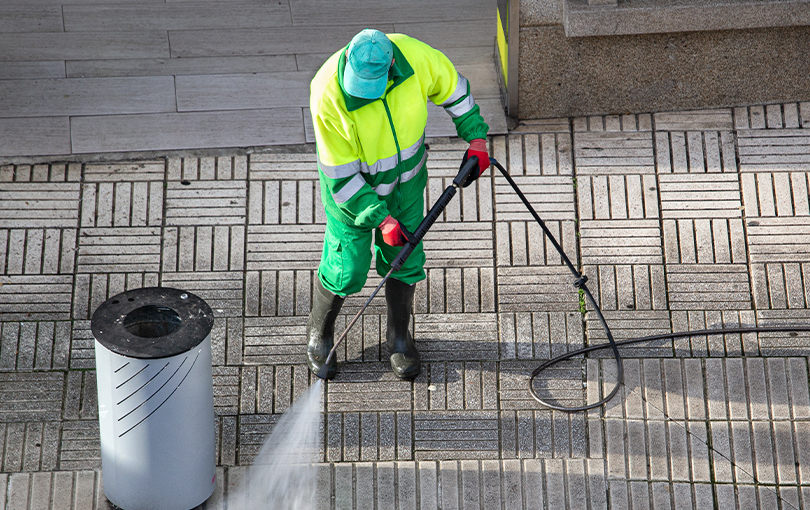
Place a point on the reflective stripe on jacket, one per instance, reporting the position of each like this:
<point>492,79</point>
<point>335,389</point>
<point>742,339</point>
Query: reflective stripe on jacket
<point>371,152</point>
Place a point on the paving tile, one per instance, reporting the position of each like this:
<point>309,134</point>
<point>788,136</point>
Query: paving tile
<point>37,251</point>
<point>522,243</point>
<point>21,297</point>
<point>79,445</point>
<point>704,241</point>
<point>455,290</point>
<point>292,201</point>
<point>625,325</point>
<point>695,152</point>
<point>204,248</point>
<point>773,116</point>
<point>455,434</point>
<point>122,204</point>
<point>162,66</point>
<point>119,250</point>
<point>535,289</point>
<point>456,386</point>
<point>782,194</point>
<point>526,335</point>
<point>625,287</point>
<point>189,130</point>
<point>618,197</point>
<point>38,136</point>
<point>284,247</point>
<point>459,244</point>
<point>275,340</point>
<point>551,196</point>
<point>773,150</point>
<point>779,286</point>
<point>173,16</point>
<point>778,239</point>
<point>36,46</point>
<point>206,92</point>
<point>226,390</point>
<point>201,202</point>
<point>783,343</point>
<point>469,336</point>
<point>26,346</point>
<point>700,196</point>
<point>87,96</point>
<point>562,383</point>
<point>31,396</point>
<point>348,392</point>
<point>620,242</point>
<point>545,154</point>
<point>39,204</point>
<point>708,286</point>
<point>609,153</point>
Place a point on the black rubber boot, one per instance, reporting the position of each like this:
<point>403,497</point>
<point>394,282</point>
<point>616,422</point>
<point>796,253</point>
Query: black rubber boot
<point>404,356</point>
<point>321,329</point>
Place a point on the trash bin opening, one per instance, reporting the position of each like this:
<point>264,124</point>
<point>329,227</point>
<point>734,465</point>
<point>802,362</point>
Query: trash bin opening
<point>152,321</point>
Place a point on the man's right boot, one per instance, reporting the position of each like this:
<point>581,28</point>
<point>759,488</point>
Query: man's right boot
<point>321,329</point>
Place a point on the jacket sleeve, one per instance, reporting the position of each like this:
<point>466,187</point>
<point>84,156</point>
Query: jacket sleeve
<point>451,91</point>
<point>339,172</point>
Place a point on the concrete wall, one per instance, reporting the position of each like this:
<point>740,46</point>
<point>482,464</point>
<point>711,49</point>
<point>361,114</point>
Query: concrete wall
<point>570,76</point>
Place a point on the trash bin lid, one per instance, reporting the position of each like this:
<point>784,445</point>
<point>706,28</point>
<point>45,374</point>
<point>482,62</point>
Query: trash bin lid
<point>152,322</point>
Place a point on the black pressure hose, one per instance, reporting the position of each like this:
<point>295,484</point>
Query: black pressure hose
<point>580,283</point>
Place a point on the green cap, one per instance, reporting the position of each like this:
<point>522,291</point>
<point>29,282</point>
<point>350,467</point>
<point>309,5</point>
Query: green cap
<point>367,63</point>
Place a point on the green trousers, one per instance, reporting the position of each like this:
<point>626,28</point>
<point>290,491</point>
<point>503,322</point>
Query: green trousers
<point>346,256</point>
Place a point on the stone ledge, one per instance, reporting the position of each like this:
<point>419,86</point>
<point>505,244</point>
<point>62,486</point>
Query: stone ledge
<point>663,16</point>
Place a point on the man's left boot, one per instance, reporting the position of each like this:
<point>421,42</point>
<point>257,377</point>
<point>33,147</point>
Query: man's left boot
<point>404,356</point>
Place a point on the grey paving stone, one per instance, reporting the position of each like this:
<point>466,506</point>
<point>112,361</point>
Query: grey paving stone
<point>778,239</point>
<point>119,250</point>
<point>524,243</point>
<point>620,242</point>
<point>525,335</point>
<point>79,445</point>
<point>122,204</point>
<point>559,125</point>
<point>625,287</point>
<point>783,343</point>
<point>31,396</point>
<point>200,202</point>
<point>781,194</point>
<point>289,202</point>
<point>602,197</point>
<point>38,251</point>
<point>469,336</point>
<point>773,150</point>
<point>459,245</point>
<point>87,96</point>
<point>91,290</point>
<point>535,289</point>
<point>203,248</point>
<point>609,153</point>
<point>282,247</point>
<point>625,325</point>
<point>695,152</point>
<point>562,383</point>
<point>547,153</point>
<point>39,204</point>
<point>456,290</point>
<point>704,241</point>
<point>708,286</point>
<point>455,434</point>
<point>189,130</point>
<point>275,340</point>
<point>711,195</point>
<point>21,297</point>
<point>349,391</point>
<point>146,16</point>
<point>628,122</point>
<point>699,120</point>
<point>551,196</point>
<point>226,390</point>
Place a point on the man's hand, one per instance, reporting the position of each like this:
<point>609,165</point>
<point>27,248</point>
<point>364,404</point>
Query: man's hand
<point>478,148</point>
<point>394,234</point>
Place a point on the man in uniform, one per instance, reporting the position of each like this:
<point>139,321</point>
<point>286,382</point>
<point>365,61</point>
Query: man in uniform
<point>369,111</point>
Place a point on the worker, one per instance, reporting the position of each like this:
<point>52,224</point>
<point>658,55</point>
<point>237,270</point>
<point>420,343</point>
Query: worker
<point>369,111</point>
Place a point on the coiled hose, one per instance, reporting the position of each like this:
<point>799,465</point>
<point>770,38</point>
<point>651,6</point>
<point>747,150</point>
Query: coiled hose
<point>580,282</point>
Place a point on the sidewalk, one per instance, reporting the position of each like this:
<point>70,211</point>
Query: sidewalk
<point>682,221</point>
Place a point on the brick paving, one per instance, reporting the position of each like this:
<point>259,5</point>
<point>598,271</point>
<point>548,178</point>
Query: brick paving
<point>682,221</point>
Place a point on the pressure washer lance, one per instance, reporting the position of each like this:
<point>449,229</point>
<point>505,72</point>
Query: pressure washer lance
<point>580,283</point>
<point>414,239</point>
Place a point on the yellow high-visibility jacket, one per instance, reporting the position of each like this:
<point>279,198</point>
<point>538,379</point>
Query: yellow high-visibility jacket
<point>371,152</point>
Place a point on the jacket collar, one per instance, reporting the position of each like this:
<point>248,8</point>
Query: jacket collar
<point>400,71</point>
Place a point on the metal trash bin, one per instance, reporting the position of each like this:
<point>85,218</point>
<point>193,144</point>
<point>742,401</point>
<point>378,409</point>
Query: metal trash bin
<point>155,399</point>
